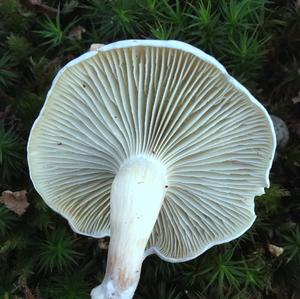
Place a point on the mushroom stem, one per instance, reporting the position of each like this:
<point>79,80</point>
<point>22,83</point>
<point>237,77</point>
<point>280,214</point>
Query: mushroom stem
<point>137,195</point>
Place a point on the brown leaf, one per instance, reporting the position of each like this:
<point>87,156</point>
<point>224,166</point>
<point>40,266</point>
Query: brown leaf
<point>15,201</point>
<point>77,32</point>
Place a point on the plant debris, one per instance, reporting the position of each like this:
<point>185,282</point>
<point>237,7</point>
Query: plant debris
<point>77,32</point>
<point>275,250</point>
<point>15,201</point>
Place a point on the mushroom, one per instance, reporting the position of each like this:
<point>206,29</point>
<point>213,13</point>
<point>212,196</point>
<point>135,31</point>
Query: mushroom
<point>153,144</point>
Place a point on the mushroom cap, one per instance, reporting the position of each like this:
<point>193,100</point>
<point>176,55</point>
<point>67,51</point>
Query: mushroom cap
<point>165,99</point>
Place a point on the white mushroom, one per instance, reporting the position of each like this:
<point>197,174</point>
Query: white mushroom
<point>154,144</point>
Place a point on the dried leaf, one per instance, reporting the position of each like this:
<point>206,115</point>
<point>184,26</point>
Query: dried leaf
<point>15,201</point>
<point>275,250</point>
<point>77,32</point>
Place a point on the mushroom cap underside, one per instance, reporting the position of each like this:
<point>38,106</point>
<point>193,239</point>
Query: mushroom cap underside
<point>164,99</point>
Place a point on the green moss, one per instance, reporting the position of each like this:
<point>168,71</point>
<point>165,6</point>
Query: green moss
<point>57,251</point>
<point>11,155</point>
